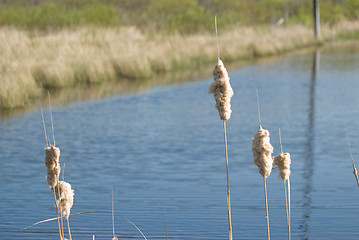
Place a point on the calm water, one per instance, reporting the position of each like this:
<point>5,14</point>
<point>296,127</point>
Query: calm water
<point>162,152</point>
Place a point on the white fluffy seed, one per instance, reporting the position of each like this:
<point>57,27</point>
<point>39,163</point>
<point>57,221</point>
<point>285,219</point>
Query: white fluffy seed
<point>66,198</point>
<point>52,156</point>
<point>222,90</point>
<point>283,162</point>
<point>262,152</point>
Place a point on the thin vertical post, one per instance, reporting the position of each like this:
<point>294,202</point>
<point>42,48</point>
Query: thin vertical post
<point>316,18</point>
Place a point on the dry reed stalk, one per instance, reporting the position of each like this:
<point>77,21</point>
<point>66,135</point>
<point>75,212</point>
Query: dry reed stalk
<point>166,230</point>
<point>355,172</point>
<point>262,157</point>
<point>114,237</point>
<point>60,207</point>
<point>58,173</point>
<point>222,91</point>
<point>283,162</point>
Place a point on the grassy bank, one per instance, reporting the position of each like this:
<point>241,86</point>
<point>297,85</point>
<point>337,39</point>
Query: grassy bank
<point>31,61</point>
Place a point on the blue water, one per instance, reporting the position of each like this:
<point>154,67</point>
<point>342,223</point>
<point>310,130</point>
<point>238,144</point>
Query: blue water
<point>162,153</point>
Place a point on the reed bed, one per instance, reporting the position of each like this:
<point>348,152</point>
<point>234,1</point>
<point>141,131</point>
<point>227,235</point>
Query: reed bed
<point>31,61</point>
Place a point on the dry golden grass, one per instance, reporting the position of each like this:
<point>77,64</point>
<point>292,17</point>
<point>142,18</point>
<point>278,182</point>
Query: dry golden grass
<point>31,61</point>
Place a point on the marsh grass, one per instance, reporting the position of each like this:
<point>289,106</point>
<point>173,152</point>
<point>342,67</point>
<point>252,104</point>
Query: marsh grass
<point>31,61</point>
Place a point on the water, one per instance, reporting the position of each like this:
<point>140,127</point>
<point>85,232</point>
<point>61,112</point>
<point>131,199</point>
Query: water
<point>162,152</point>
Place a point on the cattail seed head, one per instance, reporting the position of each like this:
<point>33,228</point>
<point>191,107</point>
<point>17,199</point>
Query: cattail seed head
<point>66,198</point>
<point>262,152</point>
<point>52,155</point>
<point>283,162</point>
<point>355,172</point>
<point>222,90</point>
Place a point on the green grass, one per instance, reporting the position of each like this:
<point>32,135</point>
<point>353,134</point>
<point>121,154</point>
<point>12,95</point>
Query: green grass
<point>349,36</point>
<point>54,15</point>
<point>185,16</point>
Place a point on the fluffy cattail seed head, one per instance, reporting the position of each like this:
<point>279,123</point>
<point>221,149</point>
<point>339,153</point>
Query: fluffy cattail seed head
<point>66,198</point>
<point>283,162</point>
<point>222,90</point>
<point>52,155</point>
<point>262,152</point>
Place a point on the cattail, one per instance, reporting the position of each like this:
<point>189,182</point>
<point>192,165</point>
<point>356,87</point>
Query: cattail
<point>262,157</point>
<point>262,152</point>
<point>66,198</point>
<point>222,90</point>
<point>283,162</point>
<point>52,155</point>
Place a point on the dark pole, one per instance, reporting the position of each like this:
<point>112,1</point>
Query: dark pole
<point>316,18</point>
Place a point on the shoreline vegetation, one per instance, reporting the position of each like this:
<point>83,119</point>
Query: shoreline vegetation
<point>32,61</point>
<point>48,44</point>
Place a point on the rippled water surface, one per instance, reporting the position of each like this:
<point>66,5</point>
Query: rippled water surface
<point>162,152</point>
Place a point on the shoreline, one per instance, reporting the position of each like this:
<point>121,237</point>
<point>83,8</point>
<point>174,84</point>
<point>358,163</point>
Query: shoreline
<point>33,61</point>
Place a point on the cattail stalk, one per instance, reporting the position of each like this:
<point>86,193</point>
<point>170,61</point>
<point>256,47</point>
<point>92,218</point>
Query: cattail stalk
<point>228,192</point>
<point>262,157</point>
<point>355,172</point>
<point>266,202</point>
<point>114,237</point>
<point>286,207</point>
<point>68,227</point>
<point>283,162</point>
<point>61,210</point>
<point>53,169</point>
<point>57,216</point>
<point>223,92</point>
<point>166,230</point>
<point>288,182</point>
<point>58,174</point>
<point>53,173</point>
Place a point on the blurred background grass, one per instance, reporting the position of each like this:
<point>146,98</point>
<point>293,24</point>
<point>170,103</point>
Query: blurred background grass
<point>185,16</point>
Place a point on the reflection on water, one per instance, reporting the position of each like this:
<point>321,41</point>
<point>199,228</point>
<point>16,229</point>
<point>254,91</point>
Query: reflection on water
<point>309,156</point>
<point>125,87</point>
<point>162,151</point>
<point>108,89</point>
